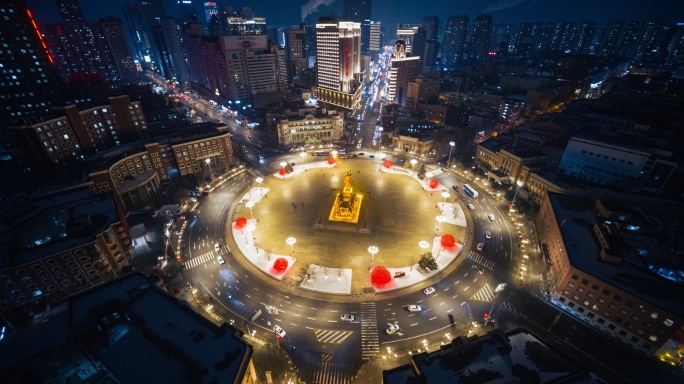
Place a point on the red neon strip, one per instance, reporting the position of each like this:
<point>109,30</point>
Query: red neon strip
<point>40,36</point>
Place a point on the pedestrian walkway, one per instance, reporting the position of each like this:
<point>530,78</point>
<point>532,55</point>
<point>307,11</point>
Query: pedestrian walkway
<point>485,294</point>
<point>324,372</point>
<point>506,312</point>
<point>330,336</point>
<point>199,260</point>
<point>476,257</point>
<point>370,343</point>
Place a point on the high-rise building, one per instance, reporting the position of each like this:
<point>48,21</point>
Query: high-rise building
<point>375,36</point>
<point>455,35</point>
<point>404,69</point>
<point>359,11</point>
<point>297,51</point>
<point>502,36</point>
<point>152,14</point>
<point>407,33</point>
<point>422,90</point>
<point>29,83</point>
<point>527,41</point>
<point>610,39</point>
<point>481,38</point>
<point>241,26</point>
<point>338,61</point>
<point>585,40</point>
<point>210,9</point>
<point>650,39</point>
<point>112,30</point>
<point>70,11</point>
<point>628,43</point>
<point>135,33</point>
<point>173,34</point>
<point>431,26</point>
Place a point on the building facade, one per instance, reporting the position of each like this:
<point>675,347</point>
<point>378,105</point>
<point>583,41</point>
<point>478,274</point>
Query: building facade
<point>310,129</point>
<point>403,71</point>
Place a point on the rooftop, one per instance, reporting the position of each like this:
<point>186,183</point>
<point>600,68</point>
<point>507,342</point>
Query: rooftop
<point>575,216</point>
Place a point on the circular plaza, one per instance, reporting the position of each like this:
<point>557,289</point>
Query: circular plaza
<point>285,226</point>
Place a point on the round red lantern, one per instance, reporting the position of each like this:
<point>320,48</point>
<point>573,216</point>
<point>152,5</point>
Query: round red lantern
<point>241,222</point>
<point>282,172</point>
<point>433,184</point>
<point>380,276</point>
<point>448,241</point>
<point>280,264</point>
<point>331,160</point>
<point>387,163</point>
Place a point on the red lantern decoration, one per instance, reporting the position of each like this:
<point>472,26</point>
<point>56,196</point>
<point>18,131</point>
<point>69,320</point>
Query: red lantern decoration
<point>433,184</point>
<point>241,222</point>
<point>380,276</point>
<point>387,163</point>
<point>280,264</point>
<point>282,172</point>
<point>448,241</point>
<point>331,160</point>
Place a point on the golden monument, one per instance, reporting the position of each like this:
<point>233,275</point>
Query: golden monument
<point>347,205</point>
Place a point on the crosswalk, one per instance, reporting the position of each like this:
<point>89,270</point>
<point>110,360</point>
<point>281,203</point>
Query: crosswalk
<point>370,344</point>
<point>485,294</point>
<point>324,372</point>
<point>476,257</point>
<point>330,336</point>
<point>199,260</point>
<point>507,312</point>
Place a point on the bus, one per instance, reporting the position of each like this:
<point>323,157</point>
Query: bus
<point>469,190</point>
<point>321,153</point>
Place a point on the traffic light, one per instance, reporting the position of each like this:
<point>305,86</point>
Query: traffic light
<point>486,316</point>
<point>279,337</point>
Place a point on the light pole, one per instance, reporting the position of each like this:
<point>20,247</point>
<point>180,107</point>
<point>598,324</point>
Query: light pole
<point>445,195</point>
<point>259,180</point>
<point>519,183</point>
<point>413,163</point>
<point>251,229</point>
<point>424,245</point>
<point>498,289</point>
<point>451,144</point>
<point>283,164</point>
<point>380,139</point>
<point>439,218</point>
<point>208,161</point>
<point>291,242</point>
<point>372,250</point>
<point>249,205</point>
<point>303,156</point>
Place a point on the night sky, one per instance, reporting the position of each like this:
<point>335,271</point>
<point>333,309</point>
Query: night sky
<point>389,12</point>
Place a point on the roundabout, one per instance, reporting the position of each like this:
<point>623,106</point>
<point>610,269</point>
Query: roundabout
<point>288,219</point>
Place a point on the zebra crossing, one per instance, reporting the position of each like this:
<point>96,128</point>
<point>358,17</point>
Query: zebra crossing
<point>507,312</point>
<point>370,343</point>
<point>195,261</point>
<point>485,294</point>
<point>476,257</point>
<point>330,336</point>
<point>324,372</point>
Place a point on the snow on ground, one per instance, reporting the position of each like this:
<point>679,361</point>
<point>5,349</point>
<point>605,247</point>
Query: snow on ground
<point>255,194</point>
<point>299,168</point>
<point>258,257</point>
<point>328,280</point>
<point>423,183</point>
<point>453,214</point>
<point>414,274</point>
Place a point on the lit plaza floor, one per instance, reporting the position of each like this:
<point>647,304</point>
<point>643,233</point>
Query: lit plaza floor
<point>398,212</point>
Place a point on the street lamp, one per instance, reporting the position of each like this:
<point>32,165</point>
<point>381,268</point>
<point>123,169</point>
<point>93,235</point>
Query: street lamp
<point>445,195</point>
<point>439,218</point>
<point>251,229</point>
<point>208,161</point>
<point>413,163</point>
<point>259,180</point>
<point>519,183</point>
<point>283,164</point>
<point>249,205</point>
<point>372,250</point>
<point>498,289</point>
<point>424,245</point>
<point>334,152</point>
<point>303,156</point>
<point>451,144</point>
<point>291,242</point>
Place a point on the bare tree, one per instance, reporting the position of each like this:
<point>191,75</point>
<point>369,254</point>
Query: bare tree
<point>306,273</point>
<point>340,272</point>
<point>267,256</point>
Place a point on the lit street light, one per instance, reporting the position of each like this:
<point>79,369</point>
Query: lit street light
<point>413,162</point>
<point>439,221</point>
<point>251,229</point>
<point>451,144</point>
<point>283,164</point>
<point>208,161</point>
<point>259,180</point>
<point>372,250</point>
<point>445,195</point>
<point>249,205</point>
<point>291,242</point>
<point>303,156</point>
<point>424,245</point>
<point>520,184</point>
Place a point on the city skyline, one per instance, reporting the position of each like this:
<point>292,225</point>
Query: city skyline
<point>502,11</point>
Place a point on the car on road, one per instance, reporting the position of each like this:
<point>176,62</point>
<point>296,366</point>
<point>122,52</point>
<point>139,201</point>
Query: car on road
<point>279,331</point>
<point>480,246</point>
<point>217,247</point>
<point>292,163</point>
<point>393,328</point>
<point>414,308</point>
<point>470,206</point>
<point>428,290</point>
<point>371,157</point>
<point>488,234</point>
<point>220,260</point>
<point>355,155</point>
<point>480,271</point>
<point>455,188</point>
<point>347,317</point>
<point>491,217</point>
<point>361,153</point>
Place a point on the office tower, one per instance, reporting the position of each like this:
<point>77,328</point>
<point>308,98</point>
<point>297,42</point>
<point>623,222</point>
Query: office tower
<point>173,35</point>
<point>610,39</point>
<point>338,60</point>
<point>135,33</point>
<point>527,41</point>
<point>422,90</point>
<point>428,56</point>
<point>30,84</point>
<point>297,51</point>
<point>481,38</point>
<point>210,9</point>
<point>359,11</point>
<point>192,45</point>
<point>186,9</point>
<point>240,26</point>
<point>375,35</point>
<point>404,69</point>
<point>585,38</point>
<point>502,37</point>
<point>455,35</point>
<point>70,11</point>
<point>629,39</point>
<point>674,44</point>
<point>650,39</point>
<point>152,12</point>
<point>113,42</point>
<point>557,37</point>
<point>407,34</point>
<point>431,26</point>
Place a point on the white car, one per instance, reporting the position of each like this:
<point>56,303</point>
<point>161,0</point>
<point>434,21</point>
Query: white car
<point>480,246</point>
<point>488,234</point>
<point>414,308</point>
<point>281,332</point>
<point>392,329</point>
<point>470,206</point>
<point>428,290</point>
<point>220,260</point>
<point>216,247</point>
<point>491,217</point>
<point>347,317</point>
